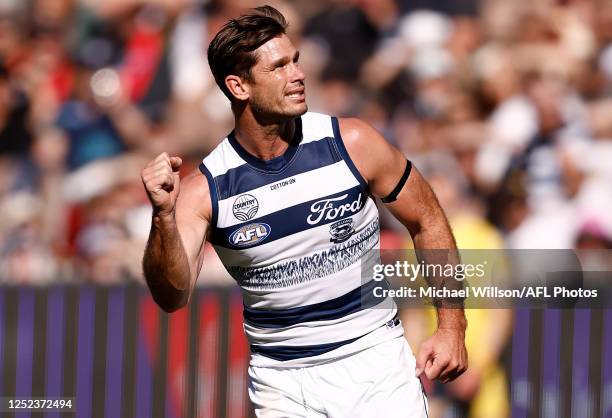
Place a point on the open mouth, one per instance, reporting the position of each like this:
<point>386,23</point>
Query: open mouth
<point>297,94</point>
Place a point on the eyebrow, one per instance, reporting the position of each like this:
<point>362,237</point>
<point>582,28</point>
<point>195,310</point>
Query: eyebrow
<point>282,61</point>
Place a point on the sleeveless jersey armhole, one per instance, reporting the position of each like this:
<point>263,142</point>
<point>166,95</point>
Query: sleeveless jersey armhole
<point>341,149</point>
<point>214,194</point>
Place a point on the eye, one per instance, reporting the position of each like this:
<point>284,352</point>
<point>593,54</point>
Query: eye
<point>279,65</point>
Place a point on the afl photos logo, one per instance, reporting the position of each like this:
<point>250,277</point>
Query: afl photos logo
<point>245,207</point>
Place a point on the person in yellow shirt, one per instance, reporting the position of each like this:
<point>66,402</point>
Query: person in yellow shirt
<point>482,391</point>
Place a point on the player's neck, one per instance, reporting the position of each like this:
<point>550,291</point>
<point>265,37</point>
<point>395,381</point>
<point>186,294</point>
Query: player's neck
<point>264,139</point>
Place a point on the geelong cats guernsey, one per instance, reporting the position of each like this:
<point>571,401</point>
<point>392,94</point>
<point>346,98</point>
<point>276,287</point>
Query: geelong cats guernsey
<point>292,231</point>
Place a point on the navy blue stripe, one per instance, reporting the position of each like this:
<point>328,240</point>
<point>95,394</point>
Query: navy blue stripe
<point>286,352</point>
<point>339,143</point>
<point>292,220</point>
<point>244,178</point>
<point>353,301</point>
<point>214,196</point>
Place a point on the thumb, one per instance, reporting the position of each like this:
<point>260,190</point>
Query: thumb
<point>175,162</point>
<point>424,352</point>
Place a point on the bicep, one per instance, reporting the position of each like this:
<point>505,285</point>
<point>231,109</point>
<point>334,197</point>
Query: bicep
<point>416,205</point>
<point>383,165</point>
<point>193,219</point>
<point>380,163</point>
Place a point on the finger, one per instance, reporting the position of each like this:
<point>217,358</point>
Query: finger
<point>162,157</point>
<point>167,180</point>
<point>422,357</point>
<point>150,175</point>
<point>460,369</point>
<point>451,369</point>
<point>154,168</point>
<point>175,163</point>
<point>159,182</point>
<point>162,166</point>
<point>157,160</point>
<point>451,376</point>
<point>436,368</point>
<point>427,366</point>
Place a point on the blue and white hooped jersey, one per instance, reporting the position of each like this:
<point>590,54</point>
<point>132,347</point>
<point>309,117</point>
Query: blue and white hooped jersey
<point>292,231</point>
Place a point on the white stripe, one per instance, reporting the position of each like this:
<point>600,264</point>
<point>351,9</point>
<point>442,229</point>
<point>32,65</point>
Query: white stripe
<point>308,186</point>
<point>316,126</point>
<point>222,159</point>
<point>306,293</point>
<point>322,332</point>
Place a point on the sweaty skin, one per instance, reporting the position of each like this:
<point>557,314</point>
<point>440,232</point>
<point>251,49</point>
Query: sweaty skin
<point>265,108</point>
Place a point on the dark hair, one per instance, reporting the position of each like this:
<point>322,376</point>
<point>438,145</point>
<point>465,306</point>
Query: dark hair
<point>232,49</point>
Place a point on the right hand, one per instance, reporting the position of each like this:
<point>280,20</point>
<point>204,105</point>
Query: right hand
<point>443,355</point>
<point>161,180</point>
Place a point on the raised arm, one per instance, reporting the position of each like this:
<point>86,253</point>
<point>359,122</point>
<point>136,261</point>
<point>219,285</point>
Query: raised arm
<point>443,355</point>
<point>181,217</point>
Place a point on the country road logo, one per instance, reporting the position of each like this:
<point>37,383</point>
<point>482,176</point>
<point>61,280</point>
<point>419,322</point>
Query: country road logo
<point>245,207</point>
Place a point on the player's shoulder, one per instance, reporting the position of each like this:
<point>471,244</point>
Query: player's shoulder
<point>356,133</point>
<point>196,179</point>
<point>368,149</point>
<point>360,138</point>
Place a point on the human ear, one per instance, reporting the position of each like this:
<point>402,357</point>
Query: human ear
<point>237,87</point>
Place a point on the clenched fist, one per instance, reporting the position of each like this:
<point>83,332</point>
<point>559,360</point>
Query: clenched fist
<point>161,180</point>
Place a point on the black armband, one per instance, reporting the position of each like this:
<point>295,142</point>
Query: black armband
<point>391,197</point>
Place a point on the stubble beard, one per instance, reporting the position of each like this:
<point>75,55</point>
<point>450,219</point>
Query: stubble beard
<point>265,109</point>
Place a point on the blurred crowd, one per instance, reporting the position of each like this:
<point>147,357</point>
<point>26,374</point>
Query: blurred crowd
<point>505,106</point>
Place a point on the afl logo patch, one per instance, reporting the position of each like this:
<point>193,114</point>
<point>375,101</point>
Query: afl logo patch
<point>341,230</point>
<point>249,235</point>
<point>245,207</point>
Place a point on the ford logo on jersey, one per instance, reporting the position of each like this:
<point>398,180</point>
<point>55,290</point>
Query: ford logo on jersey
<point>329,209</point>
<point>250,235</point>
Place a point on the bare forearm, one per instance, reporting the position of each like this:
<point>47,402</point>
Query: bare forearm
<point>434,235</point>
<point>436,245</point>
<point>166,266</point>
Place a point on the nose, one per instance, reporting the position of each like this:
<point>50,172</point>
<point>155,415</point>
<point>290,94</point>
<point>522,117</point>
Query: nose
<point>297,74</point>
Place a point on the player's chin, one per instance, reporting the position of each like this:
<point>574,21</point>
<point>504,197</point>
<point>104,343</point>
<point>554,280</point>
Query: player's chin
<point>296,108</point>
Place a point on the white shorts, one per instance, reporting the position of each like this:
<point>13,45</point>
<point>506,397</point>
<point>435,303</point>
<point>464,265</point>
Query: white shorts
<point>376,382</point>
